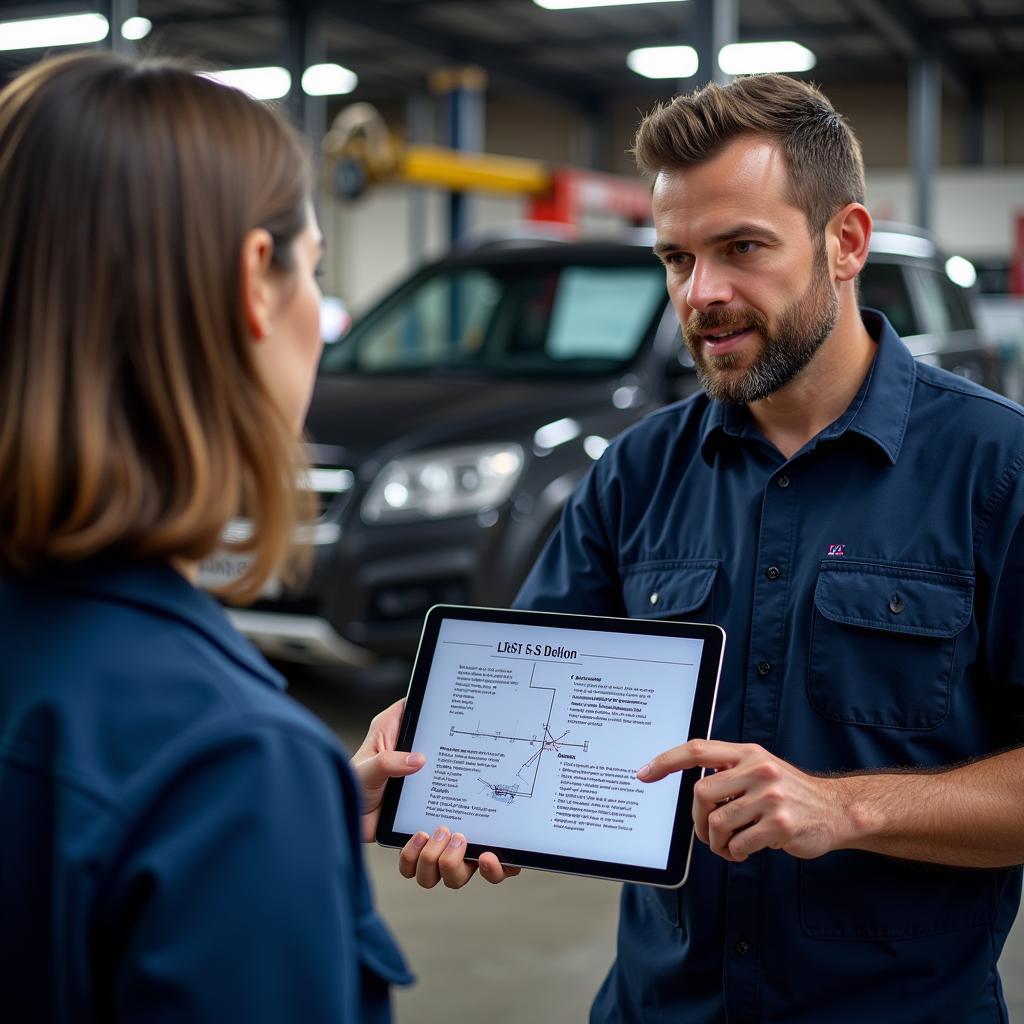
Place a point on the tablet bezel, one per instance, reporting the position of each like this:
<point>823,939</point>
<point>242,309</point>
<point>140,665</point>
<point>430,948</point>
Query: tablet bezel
<point>676,871</point>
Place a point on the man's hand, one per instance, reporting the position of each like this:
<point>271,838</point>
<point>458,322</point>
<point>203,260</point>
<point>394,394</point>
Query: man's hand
<point>755,801</point>
<point>376,761</point>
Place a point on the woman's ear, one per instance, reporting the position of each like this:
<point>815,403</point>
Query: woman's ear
<point>257,286</point>
<point>851,230</point>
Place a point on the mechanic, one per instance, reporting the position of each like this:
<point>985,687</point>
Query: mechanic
<point>853,519</point>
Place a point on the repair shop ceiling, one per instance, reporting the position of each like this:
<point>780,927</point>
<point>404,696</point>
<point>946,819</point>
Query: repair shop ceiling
<point>575,56</point>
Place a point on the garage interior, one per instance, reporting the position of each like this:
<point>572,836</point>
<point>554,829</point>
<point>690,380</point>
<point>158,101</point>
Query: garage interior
<point>437,121</point>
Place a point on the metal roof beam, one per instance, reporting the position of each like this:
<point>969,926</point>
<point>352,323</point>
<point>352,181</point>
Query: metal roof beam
<point>461,49</point>
<point>916,39</point>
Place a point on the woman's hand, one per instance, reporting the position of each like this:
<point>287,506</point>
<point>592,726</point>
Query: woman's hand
<point>376,761</point>
<point>442,857</point>
<point>428,860</point>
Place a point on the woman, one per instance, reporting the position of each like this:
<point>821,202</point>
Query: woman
<point>180,840</point>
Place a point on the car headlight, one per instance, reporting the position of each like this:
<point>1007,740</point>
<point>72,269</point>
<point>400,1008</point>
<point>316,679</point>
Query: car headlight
<point>444,482</point>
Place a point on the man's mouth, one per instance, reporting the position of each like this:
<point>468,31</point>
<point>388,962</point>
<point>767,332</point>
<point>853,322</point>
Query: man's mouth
<point>720,342</point>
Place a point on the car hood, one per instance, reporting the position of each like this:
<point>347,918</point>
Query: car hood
<point>380,415</point>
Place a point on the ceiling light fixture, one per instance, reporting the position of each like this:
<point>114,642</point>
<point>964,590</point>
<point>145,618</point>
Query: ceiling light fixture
<point>758,58</point>
<point>135,29</point>
<point>328,80</point>
<point>269,83</point>
<point>39,33</point>
<point>574,5</point>
<point>664,61</point>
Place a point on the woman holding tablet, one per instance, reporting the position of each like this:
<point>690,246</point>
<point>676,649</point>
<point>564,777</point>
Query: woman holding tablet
<point>181,840</point>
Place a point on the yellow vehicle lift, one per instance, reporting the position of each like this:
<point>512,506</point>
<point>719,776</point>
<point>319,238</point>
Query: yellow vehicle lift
<point>362,152</point>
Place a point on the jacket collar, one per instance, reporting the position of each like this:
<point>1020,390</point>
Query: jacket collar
<point>158,588</point>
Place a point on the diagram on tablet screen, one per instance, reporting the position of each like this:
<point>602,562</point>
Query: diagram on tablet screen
<point>528,771</point>
<point>533,735</point>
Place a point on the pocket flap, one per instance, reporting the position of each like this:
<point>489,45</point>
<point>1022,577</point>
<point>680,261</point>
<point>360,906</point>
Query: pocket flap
<point>655,590</point>
<point>378,952</point>
<point>918,602</point>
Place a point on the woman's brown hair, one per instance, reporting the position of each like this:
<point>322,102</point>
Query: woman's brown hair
<point>133,419</point>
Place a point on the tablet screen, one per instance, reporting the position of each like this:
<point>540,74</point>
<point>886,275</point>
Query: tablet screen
<point>534,733</point>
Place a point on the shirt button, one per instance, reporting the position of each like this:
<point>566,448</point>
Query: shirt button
<point>896,604</point>
<point>764,667</point>
<point>655,598</point>
<point>783,481</point>
<point>742,947</point>
<point>772,572</point>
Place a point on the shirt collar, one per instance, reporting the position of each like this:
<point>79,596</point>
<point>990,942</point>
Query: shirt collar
<point>879,411</point>
<point>156,587</point>
<point>881,407</point>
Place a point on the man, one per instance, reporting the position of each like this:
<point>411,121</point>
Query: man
<point>853,519</point>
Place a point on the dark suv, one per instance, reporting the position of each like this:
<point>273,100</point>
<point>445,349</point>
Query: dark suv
<point>454,420</point>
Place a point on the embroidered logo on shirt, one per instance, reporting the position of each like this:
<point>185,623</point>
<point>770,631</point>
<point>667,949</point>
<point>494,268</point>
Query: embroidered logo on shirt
<point>836,551</point>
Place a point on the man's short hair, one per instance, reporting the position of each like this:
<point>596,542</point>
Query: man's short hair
<point>826,170</point>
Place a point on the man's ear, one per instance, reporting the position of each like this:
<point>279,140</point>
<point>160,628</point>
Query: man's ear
<point>850,233</point>
<point>257,291</point>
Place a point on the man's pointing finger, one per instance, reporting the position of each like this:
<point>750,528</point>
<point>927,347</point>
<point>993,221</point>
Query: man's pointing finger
<point>694,754</point>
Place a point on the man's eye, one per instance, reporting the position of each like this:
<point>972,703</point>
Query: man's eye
<point>744,248</point>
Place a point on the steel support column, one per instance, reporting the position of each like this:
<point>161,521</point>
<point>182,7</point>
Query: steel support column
<point>304,46</point>
<point>418,131</point>
<point>924,122</point>
<point>715,24</point>
<point>117,12</point>
<point>974,125</point>
<point>461,95</point>
<point>596,138</point>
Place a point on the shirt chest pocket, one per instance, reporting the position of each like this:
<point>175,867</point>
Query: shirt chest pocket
<point>676,589</point>
<point>883,643</point>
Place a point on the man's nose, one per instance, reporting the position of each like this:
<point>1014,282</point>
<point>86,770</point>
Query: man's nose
<point>708,286</point>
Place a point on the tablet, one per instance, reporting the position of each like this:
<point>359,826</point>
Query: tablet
<point>534,725</point>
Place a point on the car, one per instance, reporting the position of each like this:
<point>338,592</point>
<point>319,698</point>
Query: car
<point>911,281</point>
<point>450,425</point>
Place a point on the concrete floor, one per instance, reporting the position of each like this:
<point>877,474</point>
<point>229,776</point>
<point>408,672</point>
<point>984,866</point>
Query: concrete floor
<point>534,948</point>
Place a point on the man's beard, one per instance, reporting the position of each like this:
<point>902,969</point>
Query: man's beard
<point>801,331</point>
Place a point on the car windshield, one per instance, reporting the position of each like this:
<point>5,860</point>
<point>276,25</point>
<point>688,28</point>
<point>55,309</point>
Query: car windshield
<point>521,319</point>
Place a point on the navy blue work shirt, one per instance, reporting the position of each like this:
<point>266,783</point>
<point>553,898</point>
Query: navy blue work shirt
<point>872,591</point>
<point>179,839</point>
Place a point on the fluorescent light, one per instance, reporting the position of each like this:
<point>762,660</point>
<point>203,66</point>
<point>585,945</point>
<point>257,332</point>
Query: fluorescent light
<point>69,30</point>
<point>574,5</point>
<point>961,271</point>
<point>328,80</point>
<point>664,61</point>
<point>136,28</point>
<point>758,58</point>
<point>260,83</point>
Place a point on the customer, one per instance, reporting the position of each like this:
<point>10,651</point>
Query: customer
<point>179,840</point>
